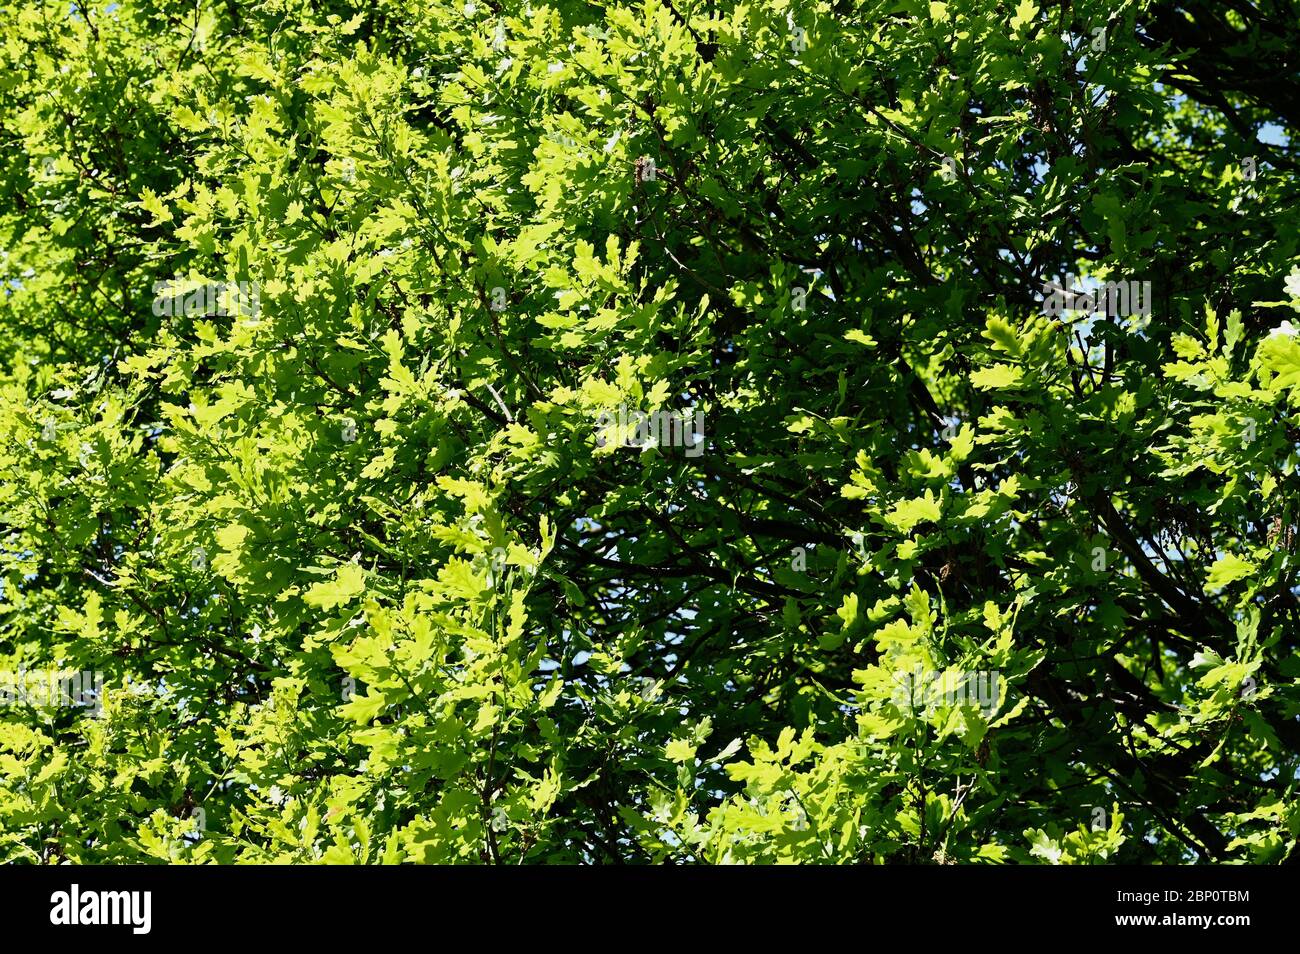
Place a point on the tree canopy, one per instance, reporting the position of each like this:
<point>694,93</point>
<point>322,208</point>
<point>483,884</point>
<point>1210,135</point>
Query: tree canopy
<point>569,432</point>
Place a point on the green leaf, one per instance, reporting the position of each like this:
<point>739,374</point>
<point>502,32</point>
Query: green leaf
<point>998,376</point>
<point>348,583</point>
<point>1228,569</point>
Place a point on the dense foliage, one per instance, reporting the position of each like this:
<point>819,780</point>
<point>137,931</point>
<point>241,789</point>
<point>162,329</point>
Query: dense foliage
<point>325,326</point>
